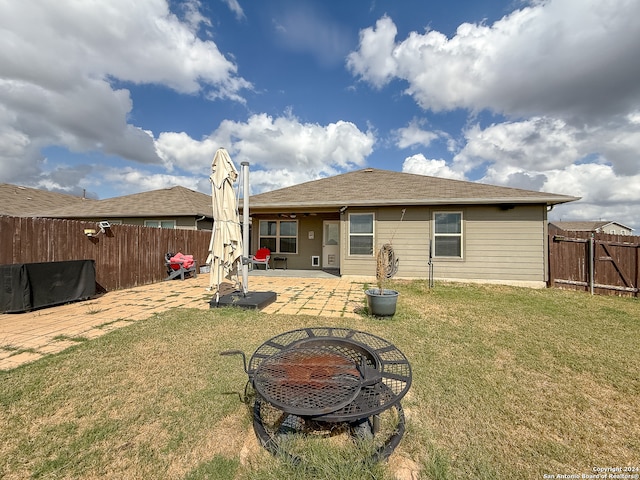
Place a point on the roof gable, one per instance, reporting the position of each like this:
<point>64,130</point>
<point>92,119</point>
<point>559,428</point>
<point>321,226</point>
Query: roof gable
<point>381,187</point>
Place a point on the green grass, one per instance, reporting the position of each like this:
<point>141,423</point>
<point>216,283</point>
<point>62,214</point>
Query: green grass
<point>63,338</point>
<point>507,383</point>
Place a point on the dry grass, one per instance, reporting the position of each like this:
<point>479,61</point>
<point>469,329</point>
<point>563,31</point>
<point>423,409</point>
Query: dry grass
<point>507,383</point>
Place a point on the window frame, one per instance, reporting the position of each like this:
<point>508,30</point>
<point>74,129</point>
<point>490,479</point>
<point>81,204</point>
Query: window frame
<point>351,234</point>
<point>278,236</point>
<point>160,222</point>
<point>459,235</point>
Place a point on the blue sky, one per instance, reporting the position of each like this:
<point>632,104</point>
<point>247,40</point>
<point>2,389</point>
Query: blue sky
<point>119,97</point>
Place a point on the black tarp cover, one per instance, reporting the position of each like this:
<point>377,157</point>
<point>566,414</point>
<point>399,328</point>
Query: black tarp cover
<point>28,286</point>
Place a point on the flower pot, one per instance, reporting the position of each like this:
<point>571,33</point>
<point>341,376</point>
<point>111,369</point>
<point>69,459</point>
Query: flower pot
<point>381,304</point>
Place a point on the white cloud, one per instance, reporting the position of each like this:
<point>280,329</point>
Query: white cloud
<point>605,195</point>
<point>192,14</point>
<point>235,7</point>
<point>595,183</point>
<point>285,142</point>
<point>560,57</point>
<point>419,164</point>
<point>132,180</point>
<point>533,144</point>
<point>179,150</point>
<point>375,60</point>
<point>413,135</point>
<point>58,66</point>
<point>283,149</point>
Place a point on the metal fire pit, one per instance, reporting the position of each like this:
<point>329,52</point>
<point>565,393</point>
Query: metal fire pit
<point>382,367</point>
<point>318,378</point>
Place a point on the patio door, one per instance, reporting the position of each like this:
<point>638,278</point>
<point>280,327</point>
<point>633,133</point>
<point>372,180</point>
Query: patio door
<point>331,244</point>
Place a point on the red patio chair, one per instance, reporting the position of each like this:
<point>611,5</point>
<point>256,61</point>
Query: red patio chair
<point>261,257</point>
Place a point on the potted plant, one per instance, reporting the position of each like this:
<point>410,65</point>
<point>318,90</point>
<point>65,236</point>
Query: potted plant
<point>382,302</point>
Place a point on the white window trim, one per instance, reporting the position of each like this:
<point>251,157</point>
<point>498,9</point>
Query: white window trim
<point>373,234</point>
<point>461,235</point>
<point>278,236</point>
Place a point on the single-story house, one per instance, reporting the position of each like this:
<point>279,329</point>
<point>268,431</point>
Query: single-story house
<point>469,231</point>
<point>175,207</point>
<point>613,228</point>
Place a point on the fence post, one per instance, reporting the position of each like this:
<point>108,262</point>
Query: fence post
<point>592,242</point>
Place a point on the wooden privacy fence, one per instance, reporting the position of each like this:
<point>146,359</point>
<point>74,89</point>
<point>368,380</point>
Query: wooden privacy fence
<point>126,256</point>
<point>598,263</point>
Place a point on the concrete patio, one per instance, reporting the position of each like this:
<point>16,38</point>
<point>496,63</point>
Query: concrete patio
<point>26,337</point>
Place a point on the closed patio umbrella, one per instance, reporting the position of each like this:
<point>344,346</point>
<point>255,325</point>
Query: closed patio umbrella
<point>225,248</point>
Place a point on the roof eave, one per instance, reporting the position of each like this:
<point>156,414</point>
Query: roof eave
<point>423,202</point>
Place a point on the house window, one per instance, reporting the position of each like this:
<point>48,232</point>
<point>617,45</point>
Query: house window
<point>279,236</point>
<point>160,223</point>
<point>447,234</point>
<point>361,234</point>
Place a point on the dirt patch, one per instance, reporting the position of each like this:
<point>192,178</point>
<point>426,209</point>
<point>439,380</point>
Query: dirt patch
<point>404,468</point>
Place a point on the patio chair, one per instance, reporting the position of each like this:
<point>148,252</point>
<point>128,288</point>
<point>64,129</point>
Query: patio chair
<point>180,265</point>
<point>261,257</point>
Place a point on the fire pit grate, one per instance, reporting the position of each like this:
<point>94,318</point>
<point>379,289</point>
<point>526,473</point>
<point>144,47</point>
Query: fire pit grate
<point>326,379</point>
<point>308,381</point>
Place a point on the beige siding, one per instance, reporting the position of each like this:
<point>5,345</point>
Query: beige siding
<point>505,246</point>
<point>409,236</point>
<point>499,245</point>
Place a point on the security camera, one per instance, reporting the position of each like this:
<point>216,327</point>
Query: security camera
<point>104,224</point>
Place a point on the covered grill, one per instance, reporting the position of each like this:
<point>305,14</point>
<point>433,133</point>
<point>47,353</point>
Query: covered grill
<point>319,378</point>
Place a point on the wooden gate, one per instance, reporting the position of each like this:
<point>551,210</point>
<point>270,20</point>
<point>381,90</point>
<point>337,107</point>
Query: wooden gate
<point>595,262</point>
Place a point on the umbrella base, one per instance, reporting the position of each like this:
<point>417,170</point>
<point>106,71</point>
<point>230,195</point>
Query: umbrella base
<point>250,301</point>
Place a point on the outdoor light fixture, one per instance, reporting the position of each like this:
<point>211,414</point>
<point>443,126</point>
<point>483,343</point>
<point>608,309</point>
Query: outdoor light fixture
<point>104,226</point>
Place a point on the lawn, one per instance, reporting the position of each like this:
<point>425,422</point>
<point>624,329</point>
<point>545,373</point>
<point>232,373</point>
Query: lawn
<point>507,383</point>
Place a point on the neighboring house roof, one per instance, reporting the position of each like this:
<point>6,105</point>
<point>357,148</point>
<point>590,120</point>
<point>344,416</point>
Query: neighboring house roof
<point>21,201</point>
<point>166,202</point>
<point>381,187</point>
<point>586,226</point>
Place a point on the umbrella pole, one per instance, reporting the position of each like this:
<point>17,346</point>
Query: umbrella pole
<point>245,226</point>
<point>218,289</point>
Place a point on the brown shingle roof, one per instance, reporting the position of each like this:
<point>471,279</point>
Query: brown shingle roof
<point>21,201</point>
<point>166,202</point>
<point>381,187</point>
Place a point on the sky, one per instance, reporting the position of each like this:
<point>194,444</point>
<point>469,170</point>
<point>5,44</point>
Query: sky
<point>113,97</point>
